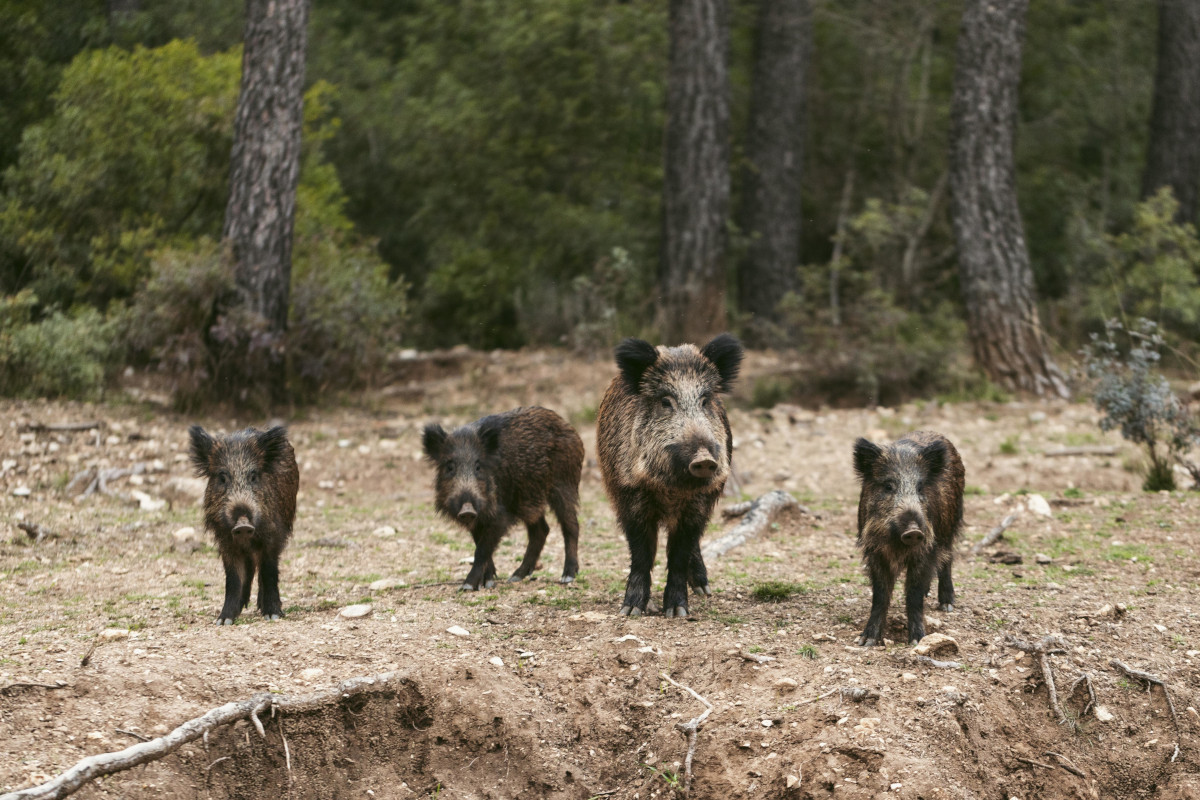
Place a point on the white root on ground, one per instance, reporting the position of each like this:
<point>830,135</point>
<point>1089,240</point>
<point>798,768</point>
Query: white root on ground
<point>102,764</point>
<point>995,533</point>
<point>1051,644</point>
<point>689,729</point>
<point>756,517</point>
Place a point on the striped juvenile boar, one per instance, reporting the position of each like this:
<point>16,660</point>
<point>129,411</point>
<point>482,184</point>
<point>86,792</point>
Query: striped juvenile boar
<point>249,506</point>
<point>505,469</point>
<point>909,515</point>
<point>665,452</point>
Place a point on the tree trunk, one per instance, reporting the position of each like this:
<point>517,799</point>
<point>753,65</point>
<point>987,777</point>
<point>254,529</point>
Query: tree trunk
<point>771,212</point>
<point>997,281</point>
<point>1173,153</point>
<point>266,167</point>
<point>696,180</point>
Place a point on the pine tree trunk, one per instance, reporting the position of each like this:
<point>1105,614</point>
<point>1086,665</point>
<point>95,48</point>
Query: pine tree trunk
<point>265,167</point>
<point>771,210</point>
<point>1006,336</point>
<point>1173,153</point>
<point>696,183</point>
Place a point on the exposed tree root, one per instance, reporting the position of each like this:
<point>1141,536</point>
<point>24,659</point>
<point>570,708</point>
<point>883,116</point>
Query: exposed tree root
<point>995,533</point>
<point>755,519</point>
<point>690,729</point>
<point>933,662</point>
<point>96,766</point>
<point>1048,646</point>
<point>1065,763</point>
<point>1150,680</point>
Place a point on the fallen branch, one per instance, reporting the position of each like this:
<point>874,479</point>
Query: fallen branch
<point>1086,450</point>
<point>36,532</point>
<point>755,657</point>
<point>1035,763</point>
<point>96,766</point>
<point>1150,681</point>
<point>995,533</point>
<point>1065,763</point>
<point>690,729</point>
<point>757,518</point>
<point>13,687</point>
<point>60,427</point>
<point>1051,644</point>
<point>932,662</point>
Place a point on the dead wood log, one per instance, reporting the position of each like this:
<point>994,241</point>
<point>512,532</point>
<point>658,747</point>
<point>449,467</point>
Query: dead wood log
<point>96,766</point>
<point>995,533</point>
<point>756,519</point>
<point>933,662</point>
<point>59,427</point>
<point>1086,450</point>
<point>689,729</point>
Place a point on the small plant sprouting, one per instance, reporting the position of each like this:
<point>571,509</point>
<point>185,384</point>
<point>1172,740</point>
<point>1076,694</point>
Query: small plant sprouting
<point>777,591</point>
<point>808,651</point>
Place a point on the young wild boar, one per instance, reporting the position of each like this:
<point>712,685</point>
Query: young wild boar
<point>665,451</point>
<point>909,516</point>
<point>249,505</point>
<point>506,468</point>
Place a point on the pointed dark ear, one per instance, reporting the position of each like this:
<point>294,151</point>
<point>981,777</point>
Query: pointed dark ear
<point>866,453</point>
<point>634,357</point>
<point>201,449</point>
<point>489,434</point>
<point>273,443</point>
<point>725,352</point>
<point>934,455</point>
<point>432,440</point>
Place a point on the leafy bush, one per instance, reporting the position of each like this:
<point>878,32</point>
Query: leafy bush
<point>1137,399</point>
<point>59,355</point>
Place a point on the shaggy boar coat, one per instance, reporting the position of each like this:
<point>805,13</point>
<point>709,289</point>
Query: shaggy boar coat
<point>504,469</point>
<point>665,452</point>
<point>249,506</point>
<point>909,515</point>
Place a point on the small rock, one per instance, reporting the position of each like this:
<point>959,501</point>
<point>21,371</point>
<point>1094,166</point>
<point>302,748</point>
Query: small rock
<point>1037,416</point>
<point>184,534</point>
<point>496,660</point>
<point>355,611</point>
<point>766,723</point>
<point>1042,558</point>
<point>1038,505</point>
<point>312,673</point>
<point>343,443</point>
<point>386,583</point>
<point>146,502</point>
<point>786,684</point>
<point>895,787</point>
<point>112,634</point>
<point>824,637</point>
<point>455,630</point>
<point>1160,628</point>
<point>325,484</point>
<point>467,560</point>
<point>1103,714</point>
<point>384,531</point>
<point>22,491</point>
<point>792,781</point>
<point>908,677</point>
<point>936,643</point>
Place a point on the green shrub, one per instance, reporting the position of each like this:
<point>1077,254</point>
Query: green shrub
<point>777,591</point>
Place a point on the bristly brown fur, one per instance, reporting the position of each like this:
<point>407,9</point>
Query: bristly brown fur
<point>509,467</point>
<point>916,482</point>
<point>658,415</point>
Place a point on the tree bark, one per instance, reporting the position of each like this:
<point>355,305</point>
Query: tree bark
<point>774,144</point>
<point>265,166</point>
<point>1173,152</point>
<point>696,180</point>
<point>1006,335</point>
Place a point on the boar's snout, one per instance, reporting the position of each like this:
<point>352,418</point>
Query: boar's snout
<point>703,464</point>
<point>467,514</point>
<point>912,536</point>
<point>243,525</point>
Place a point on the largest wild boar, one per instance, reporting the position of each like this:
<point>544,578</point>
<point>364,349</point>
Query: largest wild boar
<point>665,452</point>
<point>249,505</point>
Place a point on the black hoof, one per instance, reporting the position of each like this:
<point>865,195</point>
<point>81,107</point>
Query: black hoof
<point>225,621</point>
<point>489,584</point>
<point>677,611</point>
<point>866,641</point>
<point>274,617</point>
<point>702,590</point>
<point>947,607</point>
<point>466,587</point>
<point>567,579</point>
<point>627,611</point>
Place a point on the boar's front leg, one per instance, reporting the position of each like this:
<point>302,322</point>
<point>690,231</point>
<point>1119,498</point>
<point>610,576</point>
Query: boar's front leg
<point>538,531</point>
<point>946,586</point>
<point>641,532</point>
<point>883,581</point>
<point>683,548</point>
<point>236,587</point>
<point>483,571</point>
<point>698,573</point>
<point>916,586</point>
<point>268,587</point>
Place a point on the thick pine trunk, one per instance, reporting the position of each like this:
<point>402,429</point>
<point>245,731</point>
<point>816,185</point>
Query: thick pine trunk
<point>771,211</point>
<point>265,166</point>
<point>696,183</point>
<point>1173,153</point>
<point>997,280</point>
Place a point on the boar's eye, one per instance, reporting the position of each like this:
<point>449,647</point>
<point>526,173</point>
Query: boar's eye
<point>889,486</point>
<point>222,479</point>
<point>253,477</point>
<point>667,402</point>
<point>706,400</point>
<point>478,468</point>
<point>448,468</point>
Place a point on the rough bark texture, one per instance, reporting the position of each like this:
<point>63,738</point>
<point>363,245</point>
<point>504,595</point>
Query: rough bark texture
<point>1173,153</point>
<point>771,212</point>
<point>997,281</point>
<point>696,184</point>
<point>266,160</point>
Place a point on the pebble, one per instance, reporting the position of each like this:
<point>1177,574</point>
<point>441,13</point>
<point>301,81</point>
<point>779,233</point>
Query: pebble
<point>455,630</point>
<point>1038,505</point>
<point>22,491</point>
<point>312,673</point>
<point>1042,558</point>
<point>344,443</point>
<point>496,660</point>
<point>386,583</point>
<point>112,634</point>
<point>1160,628</point>
<point>766,723</point>
<point>183,534</point>
<point>355,611</point>
<point>908,676</point>
<point>325,484</point>
<point>1103,714</point>
<point>146,502</point>
<point>384,531</point>
<point>786,684</point>
<point>792,781</point>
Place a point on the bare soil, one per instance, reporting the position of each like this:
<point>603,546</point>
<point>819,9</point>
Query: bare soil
<point>553,695</point>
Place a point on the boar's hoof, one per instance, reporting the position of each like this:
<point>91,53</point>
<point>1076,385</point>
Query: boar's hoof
<point>567,579</point>
<point>516,577</point>
<point>702,590</point>
<point>274,617</point>
<point>677,611</point>
<point>467,587</point>
<point>946,607</point>
<point>490,583</point>
<point>225,621</point>
<point>866,641</point>
<point>628,611</point>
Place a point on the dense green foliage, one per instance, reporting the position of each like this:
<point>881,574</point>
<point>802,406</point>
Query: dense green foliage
<point>489,172</point>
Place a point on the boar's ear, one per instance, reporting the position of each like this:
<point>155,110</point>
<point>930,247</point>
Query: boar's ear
<point>489,434</point>
<point>934,456</point>
<point>432,440</point>
<point>201,449</point>
<point>634,357</point>
<point>273,444</point>
<point>866,453</point>
<point>725,352</point>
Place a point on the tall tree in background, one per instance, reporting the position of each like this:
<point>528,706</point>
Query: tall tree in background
<point>997,282</point>
<point>1173,152</point>
<point>696,180</point>
<point>266,167</point>
<point>771,212</point>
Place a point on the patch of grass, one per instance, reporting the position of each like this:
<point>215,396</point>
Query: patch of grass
<point>778,591</point>
<point>1127,552</point>
<point>970,490</point>
<point>1073,492</point>
<point>808,651</point>
<point>728,619</point>
<point>1009,446</point>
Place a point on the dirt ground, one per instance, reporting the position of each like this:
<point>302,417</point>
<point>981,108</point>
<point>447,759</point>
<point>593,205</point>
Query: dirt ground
<point>550,693</point>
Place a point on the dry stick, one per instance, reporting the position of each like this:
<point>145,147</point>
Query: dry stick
<point>690,729</point>
<point>1088,450</point>
<point>137,736</point>
<point>95,766</point>
<point>995,533</point>
<point>1035,763</point>
<point>1086,680</point>
<point>39,427</point>
<point>9,688</point>
<point>1065,763</point>
<point>756,520</point>
<point>1150,680</point>
<point>931,662</point>
<point>1048,646</point>
<point>755,657</point>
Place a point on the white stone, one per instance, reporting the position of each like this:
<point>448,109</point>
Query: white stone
<point>111,634</point>
<point>355,611</point>
<point>146,502</point>
<point>786,684</point>
<point>455,630</point>
<point>496,660</point>
<point>1042,558</point>
<point>386,583</point>
<point>384,531</point>
<point>792,781</point>
<point>183,534</point>
<point>1038,505</point>
<point>1160,628</point>
<point>936,643</point>
<point>22,491</point>
<point>1103,714</point>
<point>312,673</point>
<point>908,676</point>
<point>344,442</point>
